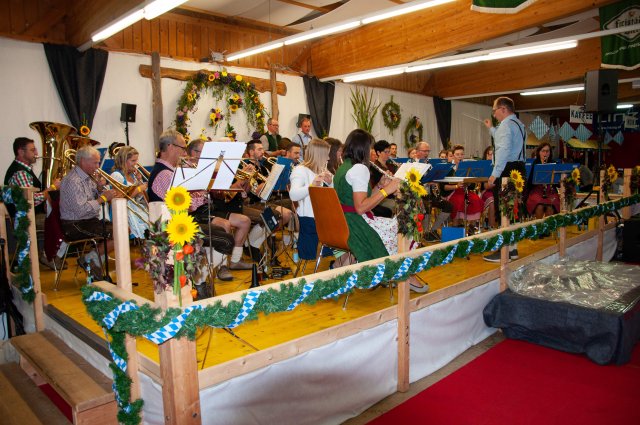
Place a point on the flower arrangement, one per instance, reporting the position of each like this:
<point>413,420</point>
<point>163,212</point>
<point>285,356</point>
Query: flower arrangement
<point>635,180</point>
<point>391,115</point>
<point>84,128</point>
<point>239,94</point>
<point>410,137</point>
<point>230,132</point>
<point>511,196</point>
<point>570,185</point>
<point>364,108</point>
<point>610,177</point>
<point>411,210</point>
<point>180,240</point>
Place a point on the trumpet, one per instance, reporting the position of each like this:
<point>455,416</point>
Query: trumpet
<point>247,172</point>
<point>127,192</point>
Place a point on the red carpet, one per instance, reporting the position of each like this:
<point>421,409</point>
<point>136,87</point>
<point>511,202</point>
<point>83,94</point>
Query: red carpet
<point>57,400</point>
<point>517,382</point>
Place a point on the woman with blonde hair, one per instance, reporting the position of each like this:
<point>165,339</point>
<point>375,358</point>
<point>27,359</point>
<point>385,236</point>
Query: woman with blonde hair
<point>311,172</point>
<point>125,172</point>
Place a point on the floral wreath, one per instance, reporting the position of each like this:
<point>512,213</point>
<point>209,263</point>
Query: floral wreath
<point>414,125</point>
<point>391,115</point>
<point>238,94</point>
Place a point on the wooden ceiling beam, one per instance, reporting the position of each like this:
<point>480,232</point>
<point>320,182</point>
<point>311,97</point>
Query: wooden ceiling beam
<point>306,5</point>
<point>88,16</point>
<point>429,33</point>
<point>43,25</point>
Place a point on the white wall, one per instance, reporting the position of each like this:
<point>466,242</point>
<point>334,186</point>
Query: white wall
<point>29,94</point>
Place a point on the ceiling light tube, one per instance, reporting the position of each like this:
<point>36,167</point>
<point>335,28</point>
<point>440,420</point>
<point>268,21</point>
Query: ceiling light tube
<point>553,90</point>
<point>625,106</point>
<point>321,32</point>
<point>402,9</point>
<point>119,25</point>
<point>159,7</point>
<point>443,64</point>
<point>249,52</point>
<point>514,52</point>
<point>375,74</point>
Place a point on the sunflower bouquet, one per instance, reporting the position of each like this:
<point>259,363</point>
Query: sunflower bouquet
<point>610,177</point>
<point>511,196</point>
<point>235,102</point>
<point>411,210</point>
<point>570,185</point>
<point>215,117</point>
<point>635,180</point>
<point>174,249</point>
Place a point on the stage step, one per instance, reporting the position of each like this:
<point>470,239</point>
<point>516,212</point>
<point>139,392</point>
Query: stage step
<point>22,402</point>
<point>47,359</point>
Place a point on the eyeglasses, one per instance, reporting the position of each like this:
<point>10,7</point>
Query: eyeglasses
<point>197,150</point>
<point>495,109</point>
<point>424,150</point>
<point>184,148</point>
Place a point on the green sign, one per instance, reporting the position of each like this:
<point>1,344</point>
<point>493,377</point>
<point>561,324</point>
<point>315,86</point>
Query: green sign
<point>500,6</point>
<point>620,50</point>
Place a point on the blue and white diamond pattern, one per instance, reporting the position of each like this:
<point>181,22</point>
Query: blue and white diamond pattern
<point>607,138</point>
<point>583,133</point>
<point>619,138</point>
<point>539,127</point>
<point>566,132</point>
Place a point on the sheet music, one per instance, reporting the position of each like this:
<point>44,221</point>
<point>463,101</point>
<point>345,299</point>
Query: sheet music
<point>420,167</point>
<point>200,177</point>
<point>274,175</point>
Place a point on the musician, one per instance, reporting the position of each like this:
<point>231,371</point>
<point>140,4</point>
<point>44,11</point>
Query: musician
<point>411,154</point>
<point>542,199</point>
<point>312,172</point>
<point>271,139</point>
<point>304,135</point>
<point>335,154</point>
<point>487,194</point>
<point>393,151</point>
<point>432,200</point>
<point>126,172</point>
<point>456,194</point>
<point>20,173</point>
<point>81,201</point>
<point>444,154</point>
<point>376,169</point>
<point>423,149</point>
<point>293,153</point>
<point>172,147</point>
<point>227,220</point>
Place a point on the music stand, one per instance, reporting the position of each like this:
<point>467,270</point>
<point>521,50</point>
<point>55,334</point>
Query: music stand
<point>551,173</point>
<point>469,168</point>
<point>437,172</point>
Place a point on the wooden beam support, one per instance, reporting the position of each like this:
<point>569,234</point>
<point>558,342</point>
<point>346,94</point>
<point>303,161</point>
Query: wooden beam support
<point>429,33</point>
<point>38,311</point>
<point>180,389</point>
<point>156,101</point>
<point>46,22</point>
<point>261,84</point>
<point>404,330</point>
<point>274,93</point>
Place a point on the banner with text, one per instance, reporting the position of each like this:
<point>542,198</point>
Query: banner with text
<point>622,50</point>
<point>500,6</point>
<point>579,116</point>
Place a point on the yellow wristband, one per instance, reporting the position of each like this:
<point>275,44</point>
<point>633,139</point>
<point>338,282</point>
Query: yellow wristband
<point>53,186</point>
<point>104,198</point>
<point>384,193</point>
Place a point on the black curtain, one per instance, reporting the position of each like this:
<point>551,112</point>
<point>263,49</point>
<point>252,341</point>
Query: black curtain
<point>78,77</point>
<point>320,100</point>
<point>443,119</point>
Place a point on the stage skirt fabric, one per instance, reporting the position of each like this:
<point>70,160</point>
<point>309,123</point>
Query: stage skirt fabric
<point>474,209</point>
<point>541,194</point>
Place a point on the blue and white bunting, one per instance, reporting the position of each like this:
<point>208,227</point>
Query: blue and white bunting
<point>306,290</point>
<point>170,330</point>
<point>110,319</point>
<point>249,302</point>
<point>351,282</point>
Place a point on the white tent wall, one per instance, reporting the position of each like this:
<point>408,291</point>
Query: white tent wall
<point>465,131</point>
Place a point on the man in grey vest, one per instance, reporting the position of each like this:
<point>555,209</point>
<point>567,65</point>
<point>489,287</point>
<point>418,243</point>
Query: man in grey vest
<point>271,139</point>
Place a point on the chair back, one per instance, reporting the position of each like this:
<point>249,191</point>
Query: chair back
<point>331,224</point>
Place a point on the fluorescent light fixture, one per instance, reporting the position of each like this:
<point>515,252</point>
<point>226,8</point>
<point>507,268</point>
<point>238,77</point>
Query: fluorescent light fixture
<point>119,25</point>
<point>553,90</point>
<point>320,32</point>
<point>402,9</point>
<point>443,64</point>
<point>375,74</point>
<point>249,52</point>
<point>514,52</point>
<point>159,7</point>
<point>625,106</point>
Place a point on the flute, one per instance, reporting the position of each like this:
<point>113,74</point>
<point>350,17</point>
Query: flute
<point>385,173</point>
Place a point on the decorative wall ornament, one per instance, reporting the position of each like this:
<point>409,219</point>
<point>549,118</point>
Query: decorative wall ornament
<point>413,132</point>
<point>364,109</point>
<point>391,115</point>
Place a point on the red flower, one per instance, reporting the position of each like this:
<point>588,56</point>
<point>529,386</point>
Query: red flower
<point>179,256</point>
<point>420,217</point>
<point>183,281</point>
<point>187,249</point>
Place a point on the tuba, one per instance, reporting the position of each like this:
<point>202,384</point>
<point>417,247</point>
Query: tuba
<point>54,140</point>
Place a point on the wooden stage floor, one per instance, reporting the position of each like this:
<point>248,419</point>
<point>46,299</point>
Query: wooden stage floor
<point>215,346</point>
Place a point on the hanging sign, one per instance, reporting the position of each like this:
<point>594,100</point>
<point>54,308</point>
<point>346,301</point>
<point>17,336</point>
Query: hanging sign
<point>579,116</point>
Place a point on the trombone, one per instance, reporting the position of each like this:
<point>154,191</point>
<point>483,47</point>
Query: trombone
<point>142,172</point>
<point>126,191</point>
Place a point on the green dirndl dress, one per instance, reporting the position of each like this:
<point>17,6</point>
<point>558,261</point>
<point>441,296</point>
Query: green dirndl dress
<point>363,241</point>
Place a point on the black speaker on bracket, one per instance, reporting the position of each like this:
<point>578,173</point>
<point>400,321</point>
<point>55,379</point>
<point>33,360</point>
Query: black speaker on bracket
<point>128,113</point>
<point>601,90</point>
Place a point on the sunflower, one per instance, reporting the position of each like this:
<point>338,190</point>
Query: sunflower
<point>181,228</point>
<point>238,78</point>
<point>224,73</point>
<point>420,191</point>
<point>190,97</point>
<point>413,178</point>
<point>613,173</point>
<point>235,97</point>
<point>212,77</point>
<point>178,199</point>
<point>85,130</point>
<point>233,108</point>
<point>575,175</point>
<point>519,184</point>
<point>515,175</point>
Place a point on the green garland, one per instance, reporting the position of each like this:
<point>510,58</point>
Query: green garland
<point>145,320</point>
<point>14,194</point>
<point>414,124</point>
<point>391,115</point>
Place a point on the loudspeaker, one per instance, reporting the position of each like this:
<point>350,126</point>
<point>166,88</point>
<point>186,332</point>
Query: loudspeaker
<point>601,90</point>
<point>128,113</point>
<point>631,240</point>
<point>300,117</point>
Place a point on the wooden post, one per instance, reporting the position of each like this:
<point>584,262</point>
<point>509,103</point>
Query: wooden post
<point>121,243</point>
<point>504,251</point>
<point>274,93</point>
<point>404,323</point>
<point>562,232</point>
<point>156,103</point>
<point>180,389</point>
<point>3,234</point>
<point>38,311</point>
<point>626,192</point>
<point>601,223</point>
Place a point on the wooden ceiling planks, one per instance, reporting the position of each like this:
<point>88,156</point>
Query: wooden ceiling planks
<point>429,33</point>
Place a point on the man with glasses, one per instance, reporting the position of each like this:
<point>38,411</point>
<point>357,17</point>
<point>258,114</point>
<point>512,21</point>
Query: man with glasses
<point>422,151</point>
<point>271,139</point>
<point>509,154</point>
